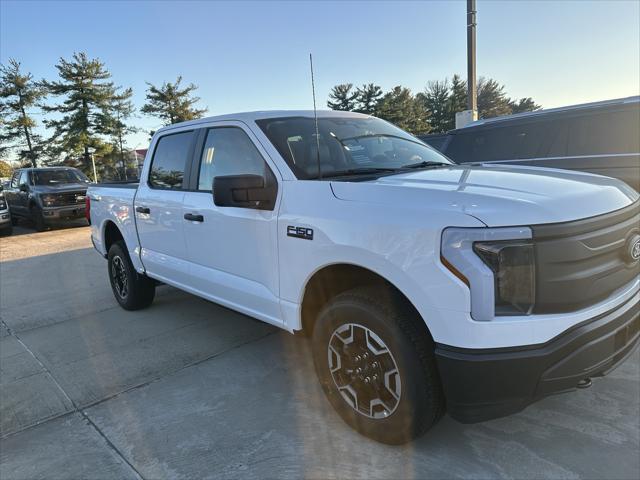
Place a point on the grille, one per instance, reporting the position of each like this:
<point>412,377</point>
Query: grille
<point>69,198</point>
<point>581,263</point>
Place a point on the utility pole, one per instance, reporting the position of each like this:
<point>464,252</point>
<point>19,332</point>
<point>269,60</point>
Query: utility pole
<point>472,101</point>
<point>471,114</point>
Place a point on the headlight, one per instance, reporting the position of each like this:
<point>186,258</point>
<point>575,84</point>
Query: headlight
<point>48,200</point>
<point>497,264</point>
<point>3,204</point>
<point>512,264</point>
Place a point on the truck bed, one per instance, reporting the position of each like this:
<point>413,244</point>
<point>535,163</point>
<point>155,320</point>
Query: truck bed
<point>113,203</point>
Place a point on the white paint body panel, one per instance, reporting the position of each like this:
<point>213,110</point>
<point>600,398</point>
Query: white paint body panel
<point>392,226</point>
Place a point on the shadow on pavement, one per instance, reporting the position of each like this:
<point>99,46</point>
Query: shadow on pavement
<point>187,388</point>
<point>25,226</point>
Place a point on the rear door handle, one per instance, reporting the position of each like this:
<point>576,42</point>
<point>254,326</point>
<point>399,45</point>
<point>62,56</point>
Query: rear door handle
<point>143,210</point>
<point>193,218</point>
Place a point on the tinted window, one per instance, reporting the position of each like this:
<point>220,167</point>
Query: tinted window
<point>497,143</point>
<point>590,133</point>
<point>605,133</point>
<point>228,151</point>
<point>169,160</point>
<point>542,138</point>
<point>56,177</point>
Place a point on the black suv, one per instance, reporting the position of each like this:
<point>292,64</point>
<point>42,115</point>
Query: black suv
<point>47,195</point>
<point>601,137</point>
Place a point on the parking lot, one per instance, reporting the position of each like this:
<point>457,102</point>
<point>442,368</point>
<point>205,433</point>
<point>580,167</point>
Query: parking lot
<point>188,389</point>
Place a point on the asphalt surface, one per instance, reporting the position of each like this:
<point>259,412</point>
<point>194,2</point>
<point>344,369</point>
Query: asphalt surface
<point>189,389</point>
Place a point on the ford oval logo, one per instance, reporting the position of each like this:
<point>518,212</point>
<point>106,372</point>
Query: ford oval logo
<point>634,248</point>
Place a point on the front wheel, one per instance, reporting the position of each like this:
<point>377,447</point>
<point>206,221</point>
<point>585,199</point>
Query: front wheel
<point>375,363</point>
<point>132,290</point>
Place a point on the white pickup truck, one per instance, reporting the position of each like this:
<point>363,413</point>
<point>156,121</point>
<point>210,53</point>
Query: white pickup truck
<point>425,286</point>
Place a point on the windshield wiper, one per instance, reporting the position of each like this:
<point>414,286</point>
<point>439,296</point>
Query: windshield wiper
<point>425,164</point>
<point>358,171</point>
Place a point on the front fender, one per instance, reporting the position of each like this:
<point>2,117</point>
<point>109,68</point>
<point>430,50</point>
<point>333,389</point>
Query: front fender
<point>400,244</point>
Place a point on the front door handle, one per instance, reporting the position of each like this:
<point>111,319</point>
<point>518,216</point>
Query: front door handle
<point>193,218</point>
<point>143,210</point>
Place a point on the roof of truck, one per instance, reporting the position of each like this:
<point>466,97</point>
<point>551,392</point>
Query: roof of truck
<point>47,168</point>
<point>569,108</point>
<point>262,114</point>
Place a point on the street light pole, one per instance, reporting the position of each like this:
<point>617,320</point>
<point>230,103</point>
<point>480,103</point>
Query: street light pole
<point>93,162</point>
<point>472,100</point>
<point>469,115</point>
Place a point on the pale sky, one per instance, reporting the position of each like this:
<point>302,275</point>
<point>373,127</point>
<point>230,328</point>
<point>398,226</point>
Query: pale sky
<point>254,55</point>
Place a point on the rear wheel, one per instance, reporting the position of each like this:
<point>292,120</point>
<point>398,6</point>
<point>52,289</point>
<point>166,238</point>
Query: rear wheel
<point>132,290</point>
<point>375,363</point>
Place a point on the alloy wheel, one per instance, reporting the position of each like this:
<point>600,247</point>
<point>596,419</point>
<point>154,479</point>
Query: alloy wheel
<point>119,276</point>
<point>364,371</point>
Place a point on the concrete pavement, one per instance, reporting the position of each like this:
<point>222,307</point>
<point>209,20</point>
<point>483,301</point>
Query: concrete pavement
<point>189,389</point>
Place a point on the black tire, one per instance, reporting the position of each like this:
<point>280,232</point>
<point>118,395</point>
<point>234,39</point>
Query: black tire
<point>37,218</point>
<point>6,231</point>
<point>132,290</point>
<point>412,398</point>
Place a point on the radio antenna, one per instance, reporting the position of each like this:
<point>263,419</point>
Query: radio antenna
<point>315,117</point>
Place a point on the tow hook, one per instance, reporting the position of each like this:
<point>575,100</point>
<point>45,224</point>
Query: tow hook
<point>584,383</point>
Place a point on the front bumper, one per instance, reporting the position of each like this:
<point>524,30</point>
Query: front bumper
<point>5,218</point>
<point>490,383</point>
<point>59,214</point>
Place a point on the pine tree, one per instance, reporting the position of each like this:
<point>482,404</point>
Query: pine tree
<point>401,108</point>
<point>343,98</point>
<point>435,100</point>
<point>18,94</point>
<point>171,103</point>
<point>457,100</point>
<point>119,110</point>
<point>492,100</point>
<point>524,105</point>
<point>88,94</point>
<point>368,97</point>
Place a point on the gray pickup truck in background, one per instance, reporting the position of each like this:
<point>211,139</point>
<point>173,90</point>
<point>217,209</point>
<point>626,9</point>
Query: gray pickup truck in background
<point>601,138</point>
<point>47,195</point>
<point>6,226</point>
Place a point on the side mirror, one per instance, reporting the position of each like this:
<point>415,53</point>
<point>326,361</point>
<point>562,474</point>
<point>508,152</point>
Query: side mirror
<point>23,187</point>
<point>244,191</point>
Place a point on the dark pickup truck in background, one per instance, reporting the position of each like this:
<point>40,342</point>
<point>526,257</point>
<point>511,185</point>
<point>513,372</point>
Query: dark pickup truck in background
<point>601,138</point>
<point>47,195</point>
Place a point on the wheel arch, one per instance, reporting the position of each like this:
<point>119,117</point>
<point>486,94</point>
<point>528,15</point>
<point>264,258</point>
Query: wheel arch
<point>111,234</point>
<point>330,280</point>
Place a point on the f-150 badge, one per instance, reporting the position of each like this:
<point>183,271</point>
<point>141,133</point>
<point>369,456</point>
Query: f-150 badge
<point>300,232</point>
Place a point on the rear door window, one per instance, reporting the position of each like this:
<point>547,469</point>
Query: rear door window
<point>169,161</point>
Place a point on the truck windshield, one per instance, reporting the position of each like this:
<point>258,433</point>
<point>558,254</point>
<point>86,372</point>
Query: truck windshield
<point>348,146</point>
<point>55,177</point>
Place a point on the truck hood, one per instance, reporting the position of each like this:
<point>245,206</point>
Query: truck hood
<point>60,187</point>
<point>497,195</point>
